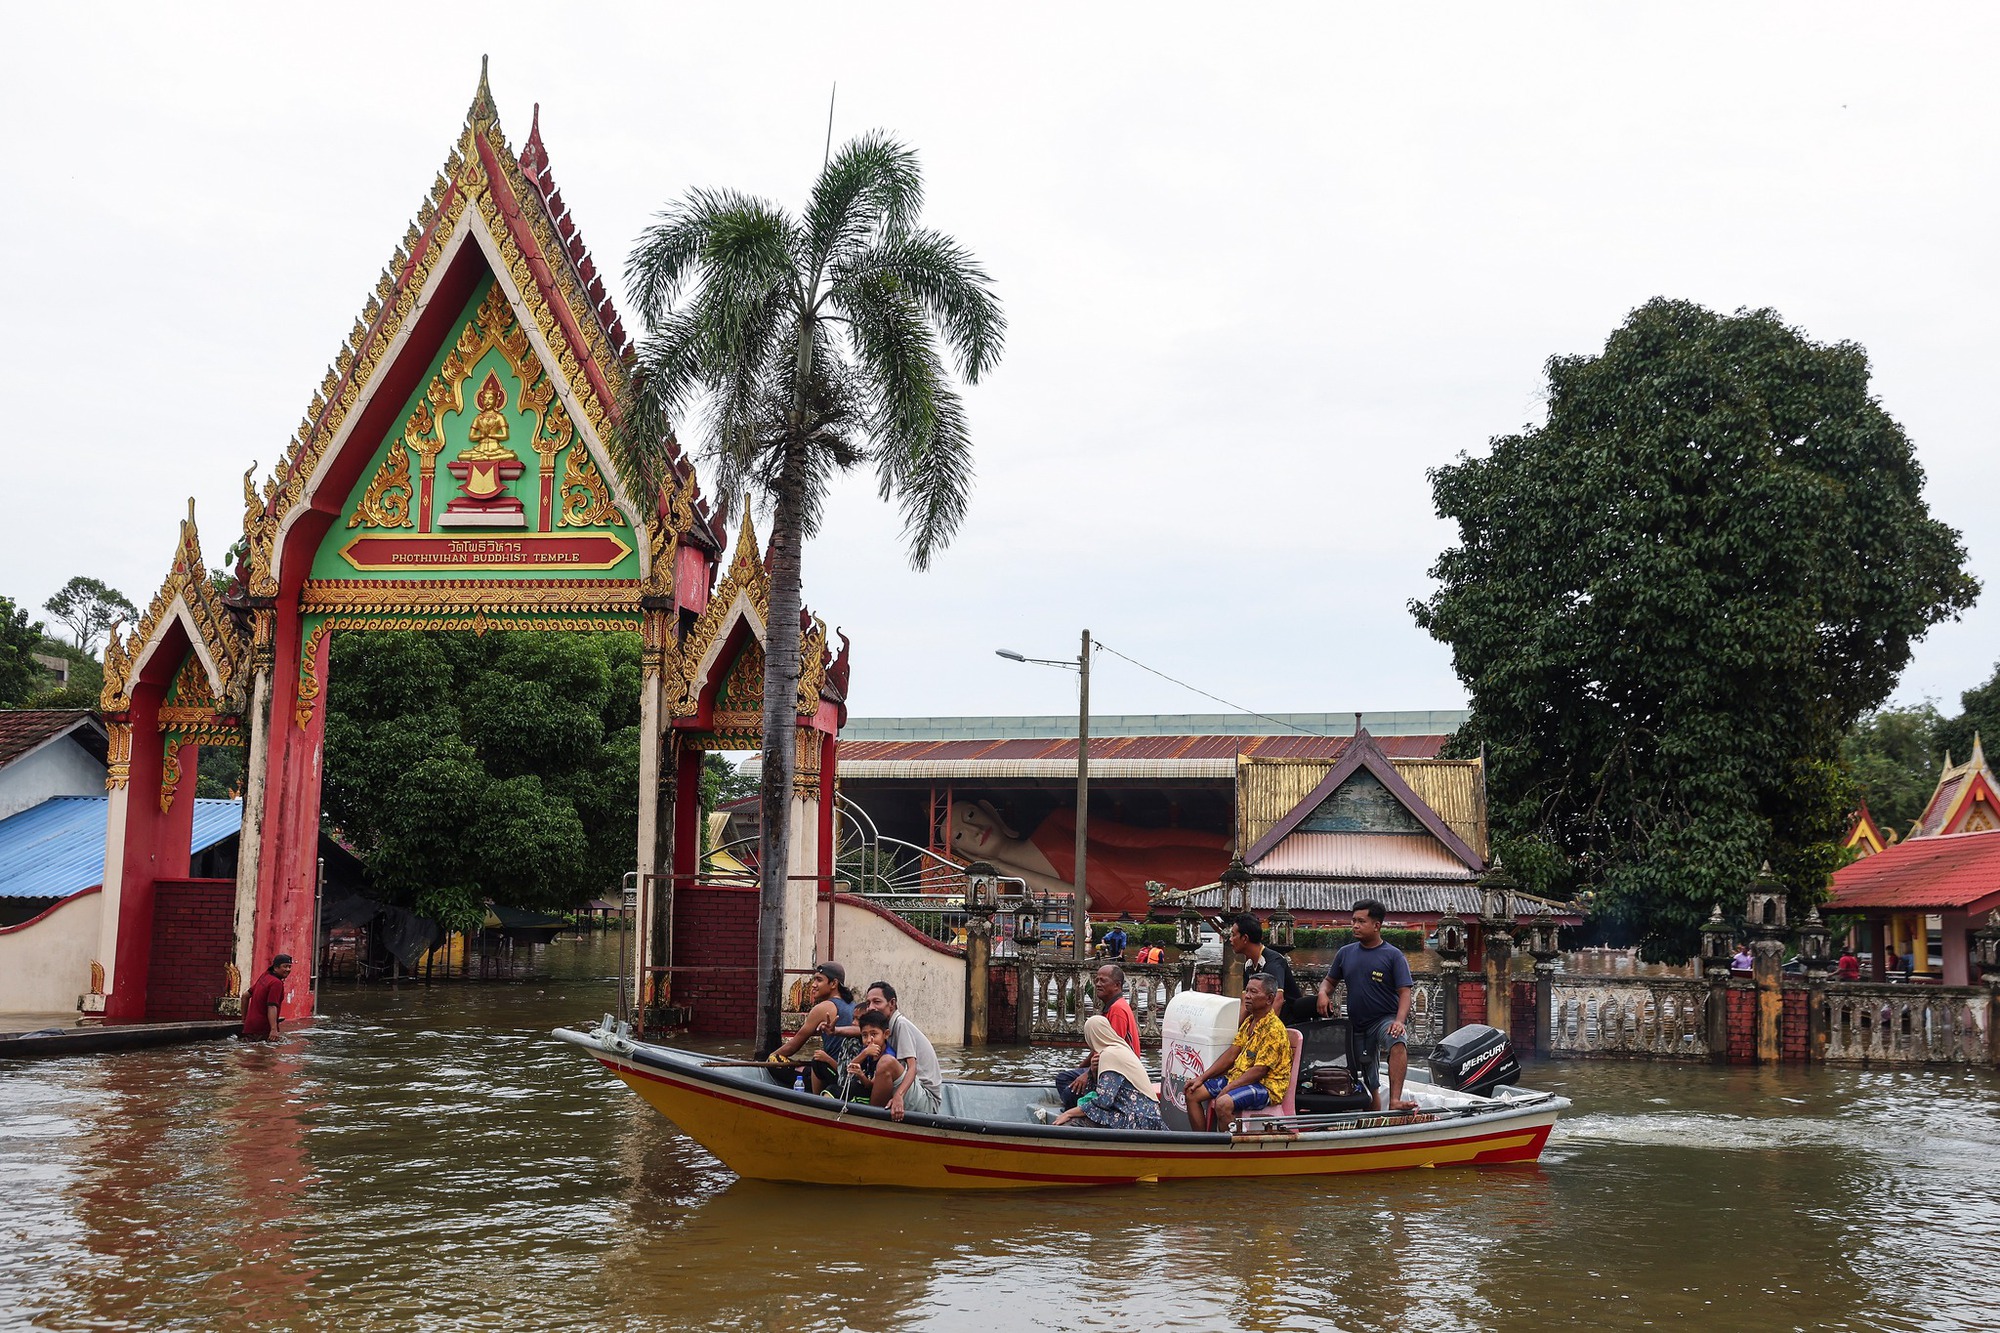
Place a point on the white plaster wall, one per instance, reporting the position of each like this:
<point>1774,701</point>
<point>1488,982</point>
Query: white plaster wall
<point>930,986</point>
<point>62,769</point>
<point>46,965</point>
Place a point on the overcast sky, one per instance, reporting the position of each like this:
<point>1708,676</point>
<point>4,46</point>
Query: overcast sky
<point>1262,268</point>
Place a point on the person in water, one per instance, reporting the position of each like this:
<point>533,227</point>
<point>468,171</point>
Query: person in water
<point>831,1019</point>
<point>1256,1069</point>
<point>876,1071</point>
<point>1126,1096</point>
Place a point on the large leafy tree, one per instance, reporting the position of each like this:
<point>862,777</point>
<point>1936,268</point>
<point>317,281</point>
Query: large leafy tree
<point>1671,601</point>
<point>1979,716</point>
<point>89,607</point>
<point>503,766</point>
<point>21,676</point>
<point>800,347</point>
<point>1892,755</point>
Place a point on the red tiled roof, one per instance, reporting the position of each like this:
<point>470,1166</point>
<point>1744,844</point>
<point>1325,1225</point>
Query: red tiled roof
<point>1139,747</point>
<point>23,729</point>
<point>1954,873</point>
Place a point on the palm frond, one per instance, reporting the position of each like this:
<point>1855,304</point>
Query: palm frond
<point>872,187</point>
<point>952,287</point>
<point>931,479</point>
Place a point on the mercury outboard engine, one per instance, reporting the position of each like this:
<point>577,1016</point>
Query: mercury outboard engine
<point>1475,1059</point>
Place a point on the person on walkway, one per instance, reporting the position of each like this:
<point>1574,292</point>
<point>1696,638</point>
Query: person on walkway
<point>1126,1096</point>
<point>831,1019</point>
<point>1109,983</point>
<point>1849,966</point>
<point>921,1085</point>
<point>1256,1069</point>
<point>1744,960</point>
<point>1115,939</point>
<point>265,1003</point>
<point>1379,989</point>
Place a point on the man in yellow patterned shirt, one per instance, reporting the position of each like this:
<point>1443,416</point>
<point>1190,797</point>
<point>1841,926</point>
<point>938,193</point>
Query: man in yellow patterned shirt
<point>1259,1064</point>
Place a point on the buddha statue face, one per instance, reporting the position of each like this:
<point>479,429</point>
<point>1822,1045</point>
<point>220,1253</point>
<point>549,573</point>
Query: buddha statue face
<point>978,832</point>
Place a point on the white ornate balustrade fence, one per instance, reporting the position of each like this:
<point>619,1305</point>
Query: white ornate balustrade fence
<point>1636,1016</point>
<point>1906,1025</point>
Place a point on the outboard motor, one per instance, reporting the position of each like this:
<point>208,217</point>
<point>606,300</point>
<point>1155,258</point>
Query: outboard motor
<point>1475,1059</point>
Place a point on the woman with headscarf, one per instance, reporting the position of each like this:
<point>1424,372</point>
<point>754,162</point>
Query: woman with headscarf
<point>1127,1097</point>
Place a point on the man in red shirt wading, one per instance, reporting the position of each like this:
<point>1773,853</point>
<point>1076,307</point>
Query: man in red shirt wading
<point>1109,984</point>
<point>266,1001</point>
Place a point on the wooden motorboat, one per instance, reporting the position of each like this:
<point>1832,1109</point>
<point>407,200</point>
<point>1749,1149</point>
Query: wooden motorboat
<point>988,1135</point>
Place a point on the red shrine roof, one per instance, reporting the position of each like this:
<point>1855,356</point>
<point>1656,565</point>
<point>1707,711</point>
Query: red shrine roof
<point>1954,872</point>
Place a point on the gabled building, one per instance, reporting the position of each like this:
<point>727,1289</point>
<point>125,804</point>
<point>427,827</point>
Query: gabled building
<point>1944,884</point>
<point>46,753</point>
<point>1865,837</point>
<point>1967,798</point>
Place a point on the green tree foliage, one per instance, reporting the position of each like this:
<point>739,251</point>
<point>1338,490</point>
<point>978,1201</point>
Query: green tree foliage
<point>1979,716</point>
<point>86,678</point>
<point>1893,757</point>
<point>505,766</point>
<point>21,676</point>
<point>809,344</point>
<point>88,607</point>
<point>1671,601</point>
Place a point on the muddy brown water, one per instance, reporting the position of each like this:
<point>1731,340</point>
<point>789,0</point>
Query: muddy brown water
<point>430,1159</point>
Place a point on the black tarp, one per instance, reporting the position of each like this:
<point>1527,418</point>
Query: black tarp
<point>401,933</point>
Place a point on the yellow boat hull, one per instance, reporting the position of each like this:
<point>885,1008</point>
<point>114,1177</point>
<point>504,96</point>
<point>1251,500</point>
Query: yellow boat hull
<point>777,1135</point>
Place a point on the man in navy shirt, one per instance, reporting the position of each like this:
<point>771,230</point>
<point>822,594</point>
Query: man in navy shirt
<point>1378,999</point>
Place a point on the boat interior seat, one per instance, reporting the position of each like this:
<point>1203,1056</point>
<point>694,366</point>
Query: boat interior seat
<point>1289,1107</point>
<point>1000,1102</point>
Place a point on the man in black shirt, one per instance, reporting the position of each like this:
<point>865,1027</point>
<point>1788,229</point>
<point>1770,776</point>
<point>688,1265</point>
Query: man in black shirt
<point>1379,988</point>
<point>1246,937</point>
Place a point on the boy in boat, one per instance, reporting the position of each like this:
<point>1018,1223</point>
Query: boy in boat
<point>876,1071</point>
<point>1258,1064</point>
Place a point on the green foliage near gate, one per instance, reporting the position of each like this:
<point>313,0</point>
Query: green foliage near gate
<point>1979,716</point>
<point>1671,601</point>
<point>1893,755</point>
<point>506,766</point>
<point>20,675</point>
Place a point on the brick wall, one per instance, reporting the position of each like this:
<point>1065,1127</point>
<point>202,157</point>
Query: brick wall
<point>1792,1027</point>
<point>1471,1002</point>
<point>1742,1026</point>
<point>193,937</point>
<point>715,940</point>
<point>1521,1012</point>
<point>1003,1002</point>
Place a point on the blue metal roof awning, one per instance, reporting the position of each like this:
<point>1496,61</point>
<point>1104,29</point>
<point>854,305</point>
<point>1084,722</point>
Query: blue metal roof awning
<point>57,848</point>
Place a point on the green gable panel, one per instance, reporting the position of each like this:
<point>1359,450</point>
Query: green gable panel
<point>1361,805</point>
<point>498,506</point>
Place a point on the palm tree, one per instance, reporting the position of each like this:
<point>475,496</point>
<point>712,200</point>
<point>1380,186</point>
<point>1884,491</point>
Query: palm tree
<point>804,347</point>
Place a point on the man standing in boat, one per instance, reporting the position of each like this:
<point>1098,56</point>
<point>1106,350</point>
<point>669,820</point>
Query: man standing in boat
<point>922,1086</point>
<point>1379,988</point>
<point>1109,983</point>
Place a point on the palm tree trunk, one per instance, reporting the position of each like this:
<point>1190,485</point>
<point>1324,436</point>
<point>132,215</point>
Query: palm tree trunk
<point>781,723</point>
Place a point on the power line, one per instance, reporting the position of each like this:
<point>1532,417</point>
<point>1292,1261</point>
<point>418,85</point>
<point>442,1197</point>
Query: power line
<point>1203,693</point>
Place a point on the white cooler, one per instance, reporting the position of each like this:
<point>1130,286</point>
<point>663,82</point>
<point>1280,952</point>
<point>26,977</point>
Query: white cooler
<point>1196,1030</point>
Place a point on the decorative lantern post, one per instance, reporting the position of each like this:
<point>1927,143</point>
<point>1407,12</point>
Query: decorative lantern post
<point>1284,928</point>
<point>1028,926</point>
<point>982,900</point>
<point>1235,902</point>
<point>1544,946</point>
<point>1451,952</point>
<point>1496,901</point>
<point>1765,902</point>
<point>1816,954</point>
<point>1187,941</point>
<point>1716,953</point>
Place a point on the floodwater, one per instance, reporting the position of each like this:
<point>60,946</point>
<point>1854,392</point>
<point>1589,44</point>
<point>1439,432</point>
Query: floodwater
<point>430,1159</point>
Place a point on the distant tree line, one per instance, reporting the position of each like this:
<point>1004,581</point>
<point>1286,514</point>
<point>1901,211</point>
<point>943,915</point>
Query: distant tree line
<point>1897,754</point>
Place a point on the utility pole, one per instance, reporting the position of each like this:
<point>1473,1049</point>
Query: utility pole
<point>1079,903</point>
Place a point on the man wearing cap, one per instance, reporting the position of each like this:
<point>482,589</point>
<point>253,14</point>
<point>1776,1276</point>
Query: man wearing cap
<point>266,1000</point>
<point>831,1019</point>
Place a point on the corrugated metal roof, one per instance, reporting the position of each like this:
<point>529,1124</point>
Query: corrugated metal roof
<point>1057,769</point>
<point>1268,789</point>
<point>1416,722</point>
<point>1130,747</point>
<point>57,848</point>
<point>1363,856</point>
<point>1950,873</point>
<point>25,729</point>
<point>1402,899</point>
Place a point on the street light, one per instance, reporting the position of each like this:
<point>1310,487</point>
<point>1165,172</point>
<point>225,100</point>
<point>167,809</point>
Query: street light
<point>1079,903</point>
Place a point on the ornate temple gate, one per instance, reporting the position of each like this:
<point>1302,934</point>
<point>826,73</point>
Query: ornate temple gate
<point>453,472</point>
